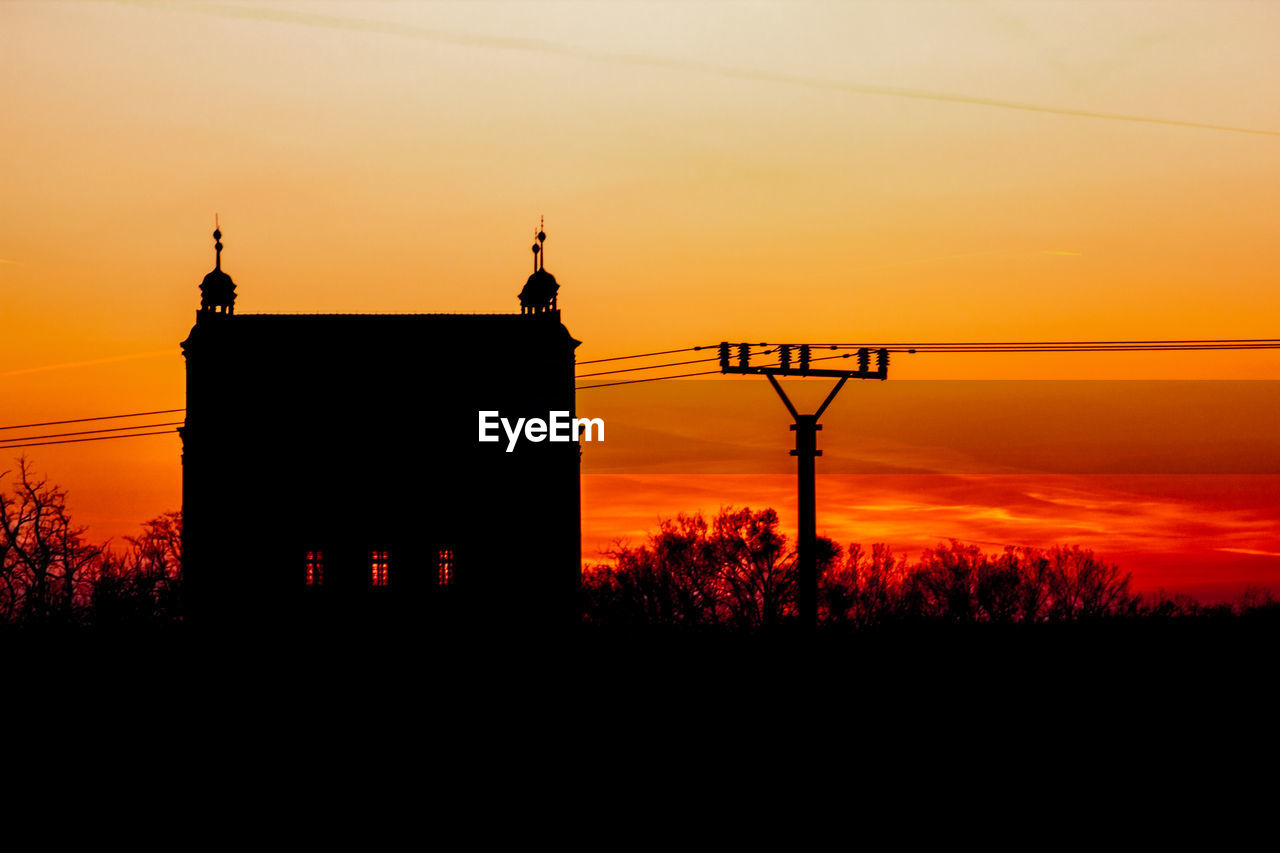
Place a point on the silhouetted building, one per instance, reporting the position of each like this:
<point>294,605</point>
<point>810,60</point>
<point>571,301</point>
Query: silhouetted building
<point>332,468</point>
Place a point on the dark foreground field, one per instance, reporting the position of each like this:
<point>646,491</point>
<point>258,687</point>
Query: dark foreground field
<point>1188,660</point>
<point>1078,707</point>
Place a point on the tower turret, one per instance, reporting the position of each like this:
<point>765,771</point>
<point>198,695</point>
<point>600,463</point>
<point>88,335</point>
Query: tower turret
<point>217,291</point>
<point>539,293</point>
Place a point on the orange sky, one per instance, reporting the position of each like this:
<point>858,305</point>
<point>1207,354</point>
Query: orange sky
<point>760,171</point>
<point>1205,535</point>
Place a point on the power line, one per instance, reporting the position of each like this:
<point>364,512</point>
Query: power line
<point>1056,343</point>
<point>650,367</point>
<point>4,441</point>
<point>100,418</point>
<point>957,348</point>
<point>78,440</point>
<point>1196,348</point>
<point>842,355</point>
<point>647,354</point>
<point>1188,345</point>
<point>1170,345</point>
<point>651,379</point>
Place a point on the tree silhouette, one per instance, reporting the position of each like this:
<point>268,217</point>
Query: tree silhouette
<point>143,584</point>
<point>757,578</point>
<point>863,589</point>
<point>1083,587</point>
<point>736,570</point>
<point>46,567</point>
<point>960,583</point>
<point>51,576</point>
<point>669,581</point>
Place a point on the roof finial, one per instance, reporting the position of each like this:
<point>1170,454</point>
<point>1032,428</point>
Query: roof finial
<point>217,244</point>
<point>542,238</point>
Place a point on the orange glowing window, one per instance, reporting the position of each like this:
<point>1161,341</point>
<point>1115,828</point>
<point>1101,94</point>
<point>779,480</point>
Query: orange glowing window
<point>315,568</point>
<point>444,567</point>
<point>379,568</point>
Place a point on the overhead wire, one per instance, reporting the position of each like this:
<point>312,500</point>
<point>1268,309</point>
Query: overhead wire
<point>6,441</point>
<point>1200,345</point>
<point>1183,345</point>
<point>1275,341</point>
<point>78,440</point>
<point>98,418</point>
<point>646,354</point>
<point>649,367</point>
<point>650,379</point>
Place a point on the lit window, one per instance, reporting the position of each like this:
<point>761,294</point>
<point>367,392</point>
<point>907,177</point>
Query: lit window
<point>315,568</point>
<point>444,565</point>
<point>379,568</point>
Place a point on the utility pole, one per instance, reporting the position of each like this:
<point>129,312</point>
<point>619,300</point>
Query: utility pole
<point>806,452</point>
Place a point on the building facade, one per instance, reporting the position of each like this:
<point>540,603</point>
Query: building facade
<point>332,471</point>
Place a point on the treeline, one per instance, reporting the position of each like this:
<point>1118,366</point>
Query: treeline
<point>50,575</point>
<point>737,570</point>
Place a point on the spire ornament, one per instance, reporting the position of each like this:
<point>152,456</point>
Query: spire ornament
<point>217,291</point>
<point>539,293</point>
<point>217,244</point>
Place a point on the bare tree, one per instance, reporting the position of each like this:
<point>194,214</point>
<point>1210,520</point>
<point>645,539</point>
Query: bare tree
<point>46,567</point>
<point>142,584</point>
<point>864,589</point>
<point>757,576</point>
<point>944,585</point>
<point>738,571</point>
<point>734,570</point>
<point>670,580</point>
<point>960,583</point>
<point>1084,587</point>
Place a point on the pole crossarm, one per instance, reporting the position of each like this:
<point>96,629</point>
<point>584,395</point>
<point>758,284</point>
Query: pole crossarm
<point>830,397</point>
<point>797,359</point>
<point>782,395</point>
<point>786,401</point>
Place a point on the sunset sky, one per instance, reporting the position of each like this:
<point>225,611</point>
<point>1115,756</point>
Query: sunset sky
<point>902,171</point>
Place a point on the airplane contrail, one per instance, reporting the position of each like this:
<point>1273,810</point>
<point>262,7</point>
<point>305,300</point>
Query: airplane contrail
<point>538,45</point>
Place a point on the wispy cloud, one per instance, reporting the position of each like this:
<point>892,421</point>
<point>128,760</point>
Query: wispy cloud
<point>1171,532</point>
<point>934,259</point>
<point>1251,552</point>
<point>89,363</point>
<point>538,45</point>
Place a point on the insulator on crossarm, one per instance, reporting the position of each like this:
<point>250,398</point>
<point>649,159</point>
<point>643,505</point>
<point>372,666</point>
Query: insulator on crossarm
<point>864,359</point>
<point>724,355</point>
<point>882,362</point>
<point>784,356</point>
<point>804,356</point>
<point>744,355</point>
